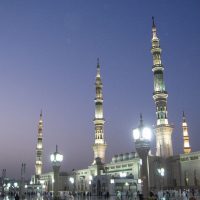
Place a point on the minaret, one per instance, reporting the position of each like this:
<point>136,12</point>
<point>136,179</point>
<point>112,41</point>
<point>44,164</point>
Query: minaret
<point>163,129</point>
<point>186,142</point>
<point>39,149</point>
<point>100,145</point>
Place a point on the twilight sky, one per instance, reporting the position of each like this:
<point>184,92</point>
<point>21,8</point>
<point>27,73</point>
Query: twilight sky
<point>48,52</point>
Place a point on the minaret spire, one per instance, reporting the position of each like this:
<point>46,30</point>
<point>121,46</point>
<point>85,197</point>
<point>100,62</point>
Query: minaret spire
<point>41,114</point>
<point>98,65</point>
<point>100,145</point>
<point>153,24</point>
<point>141,120</point>
<point>184,118</point>
<point>98,68</point>
<point>39,150</point>
<point>186,142</point>
<point>154,33</point>
<point>163,128</point>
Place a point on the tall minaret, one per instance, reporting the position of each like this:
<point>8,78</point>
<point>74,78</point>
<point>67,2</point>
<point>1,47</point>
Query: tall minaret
<point>186,142</point>
<point>39,149</point>
<point>163,129</point>
<point>100,145</point>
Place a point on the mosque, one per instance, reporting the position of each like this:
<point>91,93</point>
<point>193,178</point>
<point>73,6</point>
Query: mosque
<point>166,170</point>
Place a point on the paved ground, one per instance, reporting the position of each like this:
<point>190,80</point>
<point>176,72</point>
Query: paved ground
<point>45,198</point>
<point>84,198</point>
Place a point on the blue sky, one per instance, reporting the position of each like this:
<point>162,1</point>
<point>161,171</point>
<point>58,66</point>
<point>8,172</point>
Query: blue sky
<point>48,52</point>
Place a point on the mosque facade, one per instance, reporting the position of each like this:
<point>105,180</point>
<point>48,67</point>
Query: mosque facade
<point>123,172</point>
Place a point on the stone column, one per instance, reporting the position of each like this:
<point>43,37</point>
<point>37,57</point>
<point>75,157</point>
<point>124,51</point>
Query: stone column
<point>144,171</point>
<point>56,181</point>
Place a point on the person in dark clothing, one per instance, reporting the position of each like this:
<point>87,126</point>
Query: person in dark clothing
<point>141,197</point>
<point>16,197</point>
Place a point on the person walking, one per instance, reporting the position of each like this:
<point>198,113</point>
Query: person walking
<point>16,196</point>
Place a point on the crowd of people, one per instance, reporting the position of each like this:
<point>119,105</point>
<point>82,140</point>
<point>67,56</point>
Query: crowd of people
<point>175,195</point>
<point>162,195</point>
<point>189,194</point>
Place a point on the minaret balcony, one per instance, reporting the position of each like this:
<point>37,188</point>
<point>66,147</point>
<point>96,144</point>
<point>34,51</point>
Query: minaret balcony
<point>157,68</point>
<point>99,121</point>
<point>160,95</point>
<point>98,100</point>
<point>156,49</point>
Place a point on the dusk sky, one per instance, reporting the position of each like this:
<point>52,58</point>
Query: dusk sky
<point>48,53</point>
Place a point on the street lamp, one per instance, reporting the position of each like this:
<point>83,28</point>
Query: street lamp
<point>122,174</point>
<point>90,183</point>
<point>142,138</point>
<point>71,179</point>
<point>56,159</point>
<point>161,172</point>
<point>112,186</point>
<point>112,181</point>
<point>15,184</point>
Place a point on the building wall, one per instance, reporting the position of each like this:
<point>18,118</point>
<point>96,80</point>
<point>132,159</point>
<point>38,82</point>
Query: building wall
<point>47,180</point>
<point>181,171</point>
<point>190,169</point>
<point>123,168</point>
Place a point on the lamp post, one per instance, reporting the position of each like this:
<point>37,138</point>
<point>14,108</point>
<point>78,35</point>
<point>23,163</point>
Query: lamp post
<point>21,191</point>
<point>71,179</point>
<point>3,183</point>
<point>90,184</point>
<point>15,187</point>
<point>161,172</point>
<point>112,186</point>
<point>56,159</point>
<point>142,138</point>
